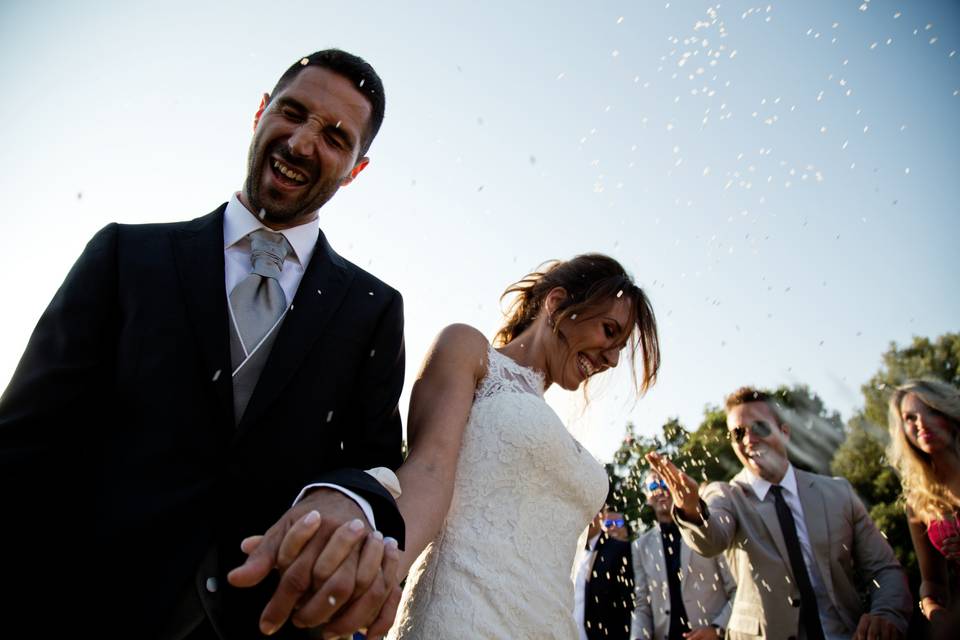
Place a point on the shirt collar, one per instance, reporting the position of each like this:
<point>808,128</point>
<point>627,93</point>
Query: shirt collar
<point>238,222</point>
<point>761,486</point>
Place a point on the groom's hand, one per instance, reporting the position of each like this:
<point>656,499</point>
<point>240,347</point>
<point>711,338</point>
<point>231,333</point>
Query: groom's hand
<point>319,560</point>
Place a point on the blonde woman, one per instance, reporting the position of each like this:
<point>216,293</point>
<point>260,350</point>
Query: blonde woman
<point>925,450</point>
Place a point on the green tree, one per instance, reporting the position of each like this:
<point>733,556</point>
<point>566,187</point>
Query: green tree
<point>707,454</point>
<point>922,358</point>
<point>626,472</point>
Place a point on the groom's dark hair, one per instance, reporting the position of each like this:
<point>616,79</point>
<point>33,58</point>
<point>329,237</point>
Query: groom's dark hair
<point>356,70</point>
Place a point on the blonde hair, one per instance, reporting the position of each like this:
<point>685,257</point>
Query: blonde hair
<point>923,492</point>
<point>590,281</point>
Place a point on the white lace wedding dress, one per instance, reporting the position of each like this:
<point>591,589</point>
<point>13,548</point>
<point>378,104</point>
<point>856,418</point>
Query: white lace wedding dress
<point>524,491</point>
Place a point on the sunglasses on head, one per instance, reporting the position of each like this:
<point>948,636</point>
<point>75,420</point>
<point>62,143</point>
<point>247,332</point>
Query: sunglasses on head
<point>759,428</point>
<point>611,523</point>
<point>657,484</point>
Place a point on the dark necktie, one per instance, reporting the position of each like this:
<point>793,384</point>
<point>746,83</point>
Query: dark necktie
<point>809,614</point>
<point>679,624</point>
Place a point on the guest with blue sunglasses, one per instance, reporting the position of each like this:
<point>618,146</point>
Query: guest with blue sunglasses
<point>680,594</point>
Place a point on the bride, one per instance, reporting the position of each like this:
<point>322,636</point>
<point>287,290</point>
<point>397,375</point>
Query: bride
<point>495,490</point>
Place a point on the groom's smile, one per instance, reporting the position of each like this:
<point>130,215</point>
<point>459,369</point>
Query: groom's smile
<point>306,145</point>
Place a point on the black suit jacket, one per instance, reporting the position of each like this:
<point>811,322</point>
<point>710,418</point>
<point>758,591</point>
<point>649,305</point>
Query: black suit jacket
<point>120,462</point>
<point>609,597</point>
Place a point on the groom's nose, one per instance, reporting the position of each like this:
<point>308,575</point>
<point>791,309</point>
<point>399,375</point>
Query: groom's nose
<point>302,141</point>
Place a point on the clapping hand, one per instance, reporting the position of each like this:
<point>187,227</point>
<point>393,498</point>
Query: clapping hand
<point>951,547</point>
<point>334,571</point>
<point>683,488</point>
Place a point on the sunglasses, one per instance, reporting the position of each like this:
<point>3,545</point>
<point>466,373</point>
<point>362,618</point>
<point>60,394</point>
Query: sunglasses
<point>657,484</point>
<point>610,523</point>
<point>759,428</point>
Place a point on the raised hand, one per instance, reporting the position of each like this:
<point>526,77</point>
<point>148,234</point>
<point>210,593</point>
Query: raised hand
<point>683,488</point>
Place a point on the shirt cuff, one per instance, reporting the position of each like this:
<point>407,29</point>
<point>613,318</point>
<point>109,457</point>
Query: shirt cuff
<point>387,479</point>
<point>363,504</point>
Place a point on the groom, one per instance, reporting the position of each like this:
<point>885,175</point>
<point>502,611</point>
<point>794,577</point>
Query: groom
<point>192,384</point>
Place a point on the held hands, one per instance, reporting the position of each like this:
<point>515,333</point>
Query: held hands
<point>683,488</point>
<point>873,627</point>
<point>334,572</point>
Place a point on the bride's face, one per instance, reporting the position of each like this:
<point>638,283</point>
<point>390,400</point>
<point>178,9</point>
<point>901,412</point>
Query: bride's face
<point>589,343</point>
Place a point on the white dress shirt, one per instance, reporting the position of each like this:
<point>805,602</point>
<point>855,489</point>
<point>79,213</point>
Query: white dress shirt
<point>833,627</point>
<point>238,223</point>
<point>584,564</point>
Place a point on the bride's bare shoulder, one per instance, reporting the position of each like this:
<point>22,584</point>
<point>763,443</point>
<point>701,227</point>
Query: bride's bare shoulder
<point>461,345</point>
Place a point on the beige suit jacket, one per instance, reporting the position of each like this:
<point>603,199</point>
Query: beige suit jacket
<point>706,585</point>
<point>843,538</point>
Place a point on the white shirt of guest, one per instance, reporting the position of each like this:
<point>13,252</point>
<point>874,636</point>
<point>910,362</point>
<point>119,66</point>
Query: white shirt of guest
<point>238,223</point>
<point>584,566</point>
<point>833,627</point>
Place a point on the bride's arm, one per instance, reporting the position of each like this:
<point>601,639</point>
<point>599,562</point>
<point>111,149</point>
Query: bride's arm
<point>439,408</point>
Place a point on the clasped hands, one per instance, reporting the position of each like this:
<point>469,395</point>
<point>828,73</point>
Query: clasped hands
<point>336,574</point>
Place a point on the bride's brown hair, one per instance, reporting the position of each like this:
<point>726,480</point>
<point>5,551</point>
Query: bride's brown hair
<point>591,281</point>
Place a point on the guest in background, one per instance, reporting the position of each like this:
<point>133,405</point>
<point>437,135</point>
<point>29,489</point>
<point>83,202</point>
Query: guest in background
<point>603,580</point>
<point>676,589</point>
<point>808,560</point>
<point>615,525</point>
<point>925,450</point>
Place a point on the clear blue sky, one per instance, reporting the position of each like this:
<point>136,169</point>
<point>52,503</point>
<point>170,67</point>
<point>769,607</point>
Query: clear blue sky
<point>781,177</point>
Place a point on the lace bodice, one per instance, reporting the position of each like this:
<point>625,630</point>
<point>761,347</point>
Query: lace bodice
<point>524,491</point>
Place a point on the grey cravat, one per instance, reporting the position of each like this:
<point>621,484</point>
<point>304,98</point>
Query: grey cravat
<point>258,301</point>
<point>257,305</point>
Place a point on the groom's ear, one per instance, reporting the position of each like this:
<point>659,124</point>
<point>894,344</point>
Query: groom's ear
<point>264,101</point>
<point>357,168</point>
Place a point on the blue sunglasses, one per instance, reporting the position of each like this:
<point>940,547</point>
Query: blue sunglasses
<point>657,484</point>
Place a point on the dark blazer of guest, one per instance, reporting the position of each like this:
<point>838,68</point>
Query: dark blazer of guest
<point>121,464</point>
<point>609,597</point>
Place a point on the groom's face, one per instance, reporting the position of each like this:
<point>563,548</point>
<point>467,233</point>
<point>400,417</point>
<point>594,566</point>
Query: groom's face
<point>305,146</point>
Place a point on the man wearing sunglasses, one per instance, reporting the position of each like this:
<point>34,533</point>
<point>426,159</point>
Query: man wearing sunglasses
<point>680,594</point>
<point>603,580</point>
<point>808,560</point>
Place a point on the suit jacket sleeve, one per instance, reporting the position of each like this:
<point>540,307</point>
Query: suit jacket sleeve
<point>641,626</point>
<point>729,589</point>
<point>714,534</point>
<point>51,403</point>
<point>376,434</point>
<point>886,584</point>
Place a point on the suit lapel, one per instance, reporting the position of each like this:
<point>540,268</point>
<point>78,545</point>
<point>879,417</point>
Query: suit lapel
<point>767,513</point>
<point>198,253</point>
<point>325,282</point>
<point>815,517</point>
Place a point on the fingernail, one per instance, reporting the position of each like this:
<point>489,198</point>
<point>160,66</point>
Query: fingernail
<point>312,517</point>
<point>356,524</point>
<point>268,628</point>
<point>391,543</point>
<point>378,535</point>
